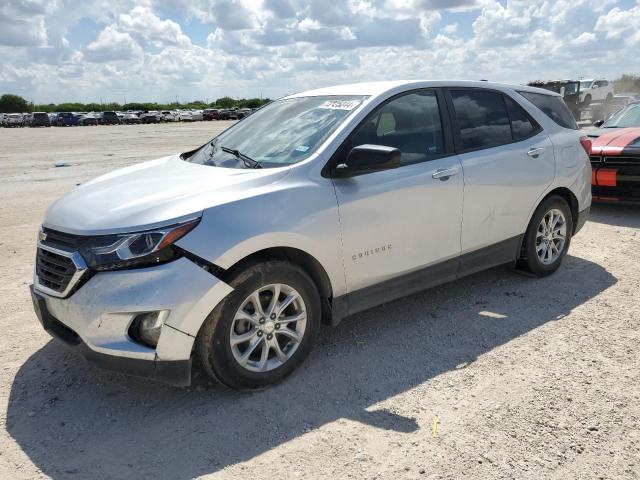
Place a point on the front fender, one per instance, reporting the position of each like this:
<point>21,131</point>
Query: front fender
<point>301,215</point>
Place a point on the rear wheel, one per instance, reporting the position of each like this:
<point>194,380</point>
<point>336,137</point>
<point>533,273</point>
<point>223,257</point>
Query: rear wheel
<point>548,237</point>
<point>262,330</point>
<point>587,100</point>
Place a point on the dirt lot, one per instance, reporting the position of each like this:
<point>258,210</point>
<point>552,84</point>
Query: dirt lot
<point>495,376</point>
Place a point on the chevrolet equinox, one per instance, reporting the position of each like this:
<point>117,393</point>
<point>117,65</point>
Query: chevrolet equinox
<point>316,206</point>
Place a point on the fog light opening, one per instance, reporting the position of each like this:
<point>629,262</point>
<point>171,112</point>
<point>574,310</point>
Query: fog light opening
<point>146,327</point>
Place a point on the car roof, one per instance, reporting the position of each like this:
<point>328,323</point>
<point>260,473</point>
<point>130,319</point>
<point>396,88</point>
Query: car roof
<point>378,88</point>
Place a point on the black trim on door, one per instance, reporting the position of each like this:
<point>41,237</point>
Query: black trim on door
<point>506,251</point>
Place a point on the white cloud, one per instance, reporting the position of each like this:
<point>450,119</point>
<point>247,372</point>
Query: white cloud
<point>22,24</point>
<point>142,22</point>
<point>619,23</point>
<point>584,38</point>
<point>450,29</point>
<point>112,45</point>
<point>308,24</point>
<point>141,50</point>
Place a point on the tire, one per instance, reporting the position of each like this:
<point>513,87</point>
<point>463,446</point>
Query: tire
<point>609,98</point>
<point>536,239</point>
<point>222,361</point>
<point>587,100</point>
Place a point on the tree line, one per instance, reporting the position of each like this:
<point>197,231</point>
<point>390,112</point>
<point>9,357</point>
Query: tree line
<point>15,104</point>
<point>627,83</point>
<point>10,103</point>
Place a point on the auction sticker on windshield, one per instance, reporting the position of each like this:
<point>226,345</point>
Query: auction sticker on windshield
<point>340,104</point>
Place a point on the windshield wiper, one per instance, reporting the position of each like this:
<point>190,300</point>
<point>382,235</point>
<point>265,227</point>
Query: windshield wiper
<point>248,161</point>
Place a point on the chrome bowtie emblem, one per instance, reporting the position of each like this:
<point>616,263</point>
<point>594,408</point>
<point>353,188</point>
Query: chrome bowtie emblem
<point>42,236</point>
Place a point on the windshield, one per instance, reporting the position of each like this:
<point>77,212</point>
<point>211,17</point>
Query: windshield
<point>629,116</point>
<point>586,84</point>
<point>282,133</point>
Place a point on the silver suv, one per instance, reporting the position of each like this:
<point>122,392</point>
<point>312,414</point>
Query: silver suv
<point>317,206</point>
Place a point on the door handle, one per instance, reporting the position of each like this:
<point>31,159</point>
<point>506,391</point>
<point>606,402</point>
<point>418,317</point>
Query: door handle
<point>445,173</point>
<point>535,152</point>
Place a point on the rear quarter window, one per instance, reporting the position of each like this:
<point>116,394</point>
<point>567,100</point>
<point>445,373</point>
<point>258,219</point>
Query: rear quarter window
<point>553,107</point>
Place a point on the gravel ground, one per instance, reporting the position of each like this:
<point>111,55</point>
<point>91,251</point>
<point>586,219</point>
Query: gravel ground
<point>495,376</point>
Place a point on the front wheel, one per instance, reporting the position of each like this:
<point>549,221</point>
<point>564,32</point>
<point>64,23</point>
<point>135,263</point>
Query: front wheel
<point>548,237</point>
<point>264,329</point>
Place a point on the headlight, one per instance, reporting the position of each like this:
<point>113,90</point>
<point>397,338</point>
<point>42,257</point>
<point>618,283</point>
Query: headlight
<point>130,250</point>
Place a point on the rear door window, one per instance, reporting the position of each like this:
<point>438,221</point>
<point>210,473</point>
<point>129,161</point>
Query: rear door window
<point>482,118</point>
<point>553,107</point>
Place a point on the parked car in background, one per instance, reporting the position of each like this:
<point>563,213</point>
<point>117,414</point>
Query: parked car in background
<point>196,115</point>
<point>228,114</point>
<point>243,112</point>
<point>184,116</point>
<point>13,120</point>
<point>210,114</point>
<point>626,117</point>
<point>381,190</point>
<point>150,117</point>
<point>87,119</point>
<point>592,90</point>
<point>623,99</point>
<point>130,119</point>
<point>168,116</point>
<point>615,158</point>
<point>67,119</point>
<point>109,118</point>
<point>40,119</point>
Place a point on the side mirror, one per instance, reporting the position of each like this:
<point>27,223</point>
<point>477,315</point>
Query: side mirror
<point>595,86</point>
<point>598,123</point>
<point>368,158</point>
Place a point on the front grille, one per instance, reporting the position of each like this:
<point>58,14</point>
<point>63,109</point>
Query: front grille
<point>66,241</point>
<point>620,160</point>
<point>54,271</point>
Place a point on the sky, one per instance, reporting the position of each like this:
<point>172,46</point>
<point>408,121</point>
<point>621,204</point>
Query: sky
<point>163,50</point>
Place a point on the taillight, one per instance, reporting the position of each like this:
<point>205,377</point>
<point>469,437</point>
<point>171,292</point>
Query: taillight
<point>586,144</point>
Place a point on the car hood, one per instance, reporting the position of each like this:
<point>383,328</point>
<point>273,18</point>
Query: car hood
<point>615,141</point>
<point>153,194</point>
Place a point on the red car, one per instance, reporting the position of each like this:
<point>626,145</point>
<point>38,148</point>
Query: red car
<point>615,160</point>
<point>210,114</point>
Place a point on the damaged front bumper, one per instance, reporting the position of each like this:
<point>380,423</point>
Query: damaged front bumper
<point>95,320</point>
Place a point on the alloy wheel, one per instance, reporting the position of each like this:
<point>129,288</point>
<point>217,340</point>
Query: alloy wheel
<point>268,327</point>
<point>551,236</point>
